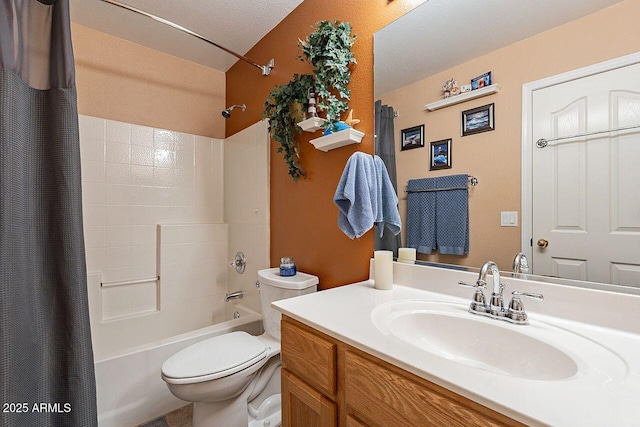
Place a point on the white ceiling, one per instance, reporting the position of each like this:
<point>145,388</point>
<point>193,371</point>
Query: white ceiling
<point>441,34</point>
<point>235,24</point>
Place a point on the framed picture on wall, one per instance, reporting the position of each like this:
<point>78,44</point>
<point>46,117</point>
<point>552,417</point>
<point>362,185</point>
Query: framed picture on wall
<point>478,120</point>
<point>440,154</point>
<point>481,81</point>
<point>412,138</point>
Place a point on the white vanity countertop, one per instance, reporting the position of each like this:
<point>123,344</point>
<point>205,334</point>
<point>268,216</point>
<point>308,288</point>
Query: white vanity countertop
<point>582,400</point>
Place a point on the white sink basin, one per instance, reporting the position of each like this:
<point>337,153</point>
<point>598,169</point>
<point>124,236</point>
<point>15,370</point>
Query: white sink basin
<point>538,351</point>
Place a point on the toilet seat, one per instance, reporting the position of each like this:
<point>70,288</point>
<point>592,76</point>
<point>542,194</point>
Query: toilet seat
<point>214,358</point>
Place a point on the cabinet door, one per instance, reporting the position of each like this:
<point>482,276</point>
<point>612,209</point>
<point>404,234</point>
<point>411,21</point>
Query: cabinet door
<point>304,406</point>
<point>386,396</point>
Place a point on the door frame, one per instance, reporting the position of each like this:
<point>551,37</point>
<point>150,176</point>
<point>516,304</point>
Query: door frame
<point>527,135</point>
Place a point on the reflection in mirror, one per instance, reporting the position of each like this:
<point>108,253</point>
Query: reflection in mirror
<point>519,43</point>
<point>545,279</point>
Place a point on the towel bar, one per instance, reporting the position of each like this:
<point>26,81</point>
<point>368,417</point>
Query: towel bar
<point>473,181</point>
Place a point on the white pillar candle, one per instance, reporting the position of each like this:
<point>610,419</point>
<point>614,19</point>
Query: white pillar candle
<point>407,255</point>
<point>383,269</point>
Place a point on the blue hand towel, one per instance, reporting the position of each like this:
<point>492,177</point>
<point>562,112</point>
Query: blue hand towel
<point>356,195</point>
<point>387,212</point>
<point>452,215</point>
<point>421,215</point>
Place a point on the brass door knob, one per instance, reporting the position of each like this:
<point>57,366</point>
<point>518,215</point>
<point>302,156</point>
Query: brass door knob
<point>543,243</point>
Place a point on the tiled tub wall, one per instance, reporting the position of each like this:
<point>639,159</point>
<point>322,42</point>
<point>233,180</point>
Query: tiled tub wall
<point>246,206</point>
<point>134,178</point>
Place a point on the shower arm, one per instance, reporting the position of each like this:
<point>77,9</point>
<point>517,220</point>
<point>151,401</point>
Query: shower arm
<point>266,69</point>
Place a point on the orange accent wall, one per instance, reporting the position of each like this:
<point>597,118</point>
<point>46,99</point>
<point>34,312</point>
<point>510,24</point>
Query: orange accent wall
<point>124,81</point>
<point>303,216</point>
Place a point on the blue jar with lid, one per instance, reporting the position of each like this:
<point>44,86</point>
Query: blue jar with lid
<point>287,267</point>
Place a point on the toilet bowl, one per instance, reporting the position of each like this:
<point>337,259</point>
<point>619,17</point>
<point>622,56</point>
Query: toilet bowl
<point>234,379</point>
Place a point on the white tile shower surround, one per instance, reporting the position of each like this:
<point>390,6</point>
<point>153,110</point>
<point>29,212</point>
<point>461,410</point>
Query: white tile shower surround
<point>246,206</point>
<point>135,177</point>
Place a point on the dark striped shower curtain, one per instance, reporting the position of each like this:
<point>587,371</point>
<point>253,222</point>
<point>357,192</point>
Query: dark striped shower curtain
<point>46,359</point>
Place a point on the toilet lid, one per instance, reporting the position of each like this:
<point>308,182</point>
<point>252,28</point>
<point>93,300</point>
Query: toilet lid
<point>215,357</point>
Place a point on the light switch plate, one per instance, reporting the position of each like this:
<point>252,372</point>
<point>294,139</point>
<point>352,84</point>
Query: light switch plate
<point>508,219</point>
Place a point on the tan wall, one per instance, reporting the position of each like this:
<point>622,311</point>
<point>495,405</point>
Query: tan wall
<point>124,81</point>
<point>303,216</point>
<point>494,157</point>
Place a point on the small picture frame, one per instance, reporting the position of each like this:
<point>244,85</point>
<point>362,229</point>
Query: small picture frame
<point>481,81</point>
<point>412,138</point>
<point>477,120</point>
<point>440,154</point>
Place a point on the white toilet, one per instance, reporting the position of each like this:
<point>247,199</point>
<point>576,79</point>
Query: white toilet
<point>234,379</point>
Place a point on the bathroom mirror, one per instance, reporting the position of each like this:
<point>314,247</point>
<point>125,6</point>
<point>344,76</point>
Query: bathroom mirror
<point>439,40</point>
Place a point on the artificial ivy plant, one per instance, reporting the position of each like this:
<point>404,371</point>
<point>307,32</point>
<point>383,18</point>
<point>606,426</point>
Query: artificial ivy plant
<point>328,50</point>
<point>283,107</point>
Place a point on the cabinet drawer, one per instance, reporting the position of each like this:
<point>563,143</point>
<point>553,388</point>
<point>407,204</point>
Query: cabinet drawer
<point>401,399</point>
<point>311,357</point>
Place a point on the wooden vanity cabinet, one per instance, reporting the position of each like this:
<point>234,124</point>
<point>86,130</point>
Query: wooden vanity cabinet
<point>308,377</point>
<point>326,382</point>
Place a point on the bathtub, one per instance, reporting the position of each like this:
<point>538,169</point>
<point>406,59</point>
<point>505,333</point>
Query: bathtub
<point>129,387</point>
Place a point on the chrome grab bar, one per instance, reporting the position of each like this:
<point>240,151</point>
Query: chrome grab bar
<point>129,282</point>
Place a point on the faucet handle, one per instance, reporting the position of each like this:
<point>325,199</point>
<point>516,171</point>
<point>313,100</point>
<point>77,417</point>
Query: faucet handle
<point>516,312</point>
<point>517,294</point>
<point>479,303</point>
<point>479,284</point>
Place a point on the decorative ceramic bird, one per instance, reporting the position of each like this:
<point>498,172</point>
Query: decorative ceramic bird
<point>350,120</point>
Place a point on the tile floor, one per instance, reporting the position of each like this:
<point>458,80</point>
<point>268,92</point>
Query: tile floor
<point>178,418</point>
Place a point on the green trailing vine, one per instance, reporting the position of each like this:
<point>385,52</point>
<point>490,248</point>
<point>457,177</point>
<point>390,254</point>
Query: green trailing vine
<point>280,108</point>
<point>328,50</point>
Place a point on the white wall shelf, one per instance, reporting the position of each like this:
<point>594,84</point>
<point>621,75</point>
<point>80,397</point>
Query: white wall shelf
<point>312,124</point>
<point>467,96</point>
<point>338,139</point>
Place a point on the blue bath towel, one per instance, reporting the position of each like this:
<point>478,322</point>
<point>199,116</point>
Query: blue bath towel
<point>421,215</point>
<point>452,215</point>
<point>356,195</point>
<point>387,212</point>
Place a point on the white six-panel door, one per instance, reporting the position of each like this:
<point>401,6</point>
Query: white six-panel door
<point>586,190</point>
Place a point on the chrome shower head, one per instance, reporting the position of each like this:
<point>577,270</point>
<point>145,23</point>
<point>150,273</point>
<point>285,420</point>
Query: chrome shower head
<point>227,113</point>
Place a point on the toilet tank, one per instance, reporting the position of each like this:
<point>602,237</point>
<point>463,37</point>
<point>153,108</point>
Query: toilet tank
<point>274,287</point>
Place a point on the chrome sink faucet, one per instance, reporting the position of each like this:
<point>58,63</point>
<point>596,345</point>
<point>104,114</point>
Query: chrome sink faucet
<point>520,263</point>
<point>495,309</point>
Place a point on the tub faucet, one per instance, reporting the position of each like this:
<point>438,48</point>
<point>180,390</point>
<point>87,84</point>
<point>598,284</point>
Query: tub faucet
<point>520,263</point>
<point>233,295</point>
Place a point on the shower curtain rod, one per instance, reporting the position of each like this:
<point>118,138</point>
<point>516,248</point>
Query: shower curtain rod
<point>266,69</point>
